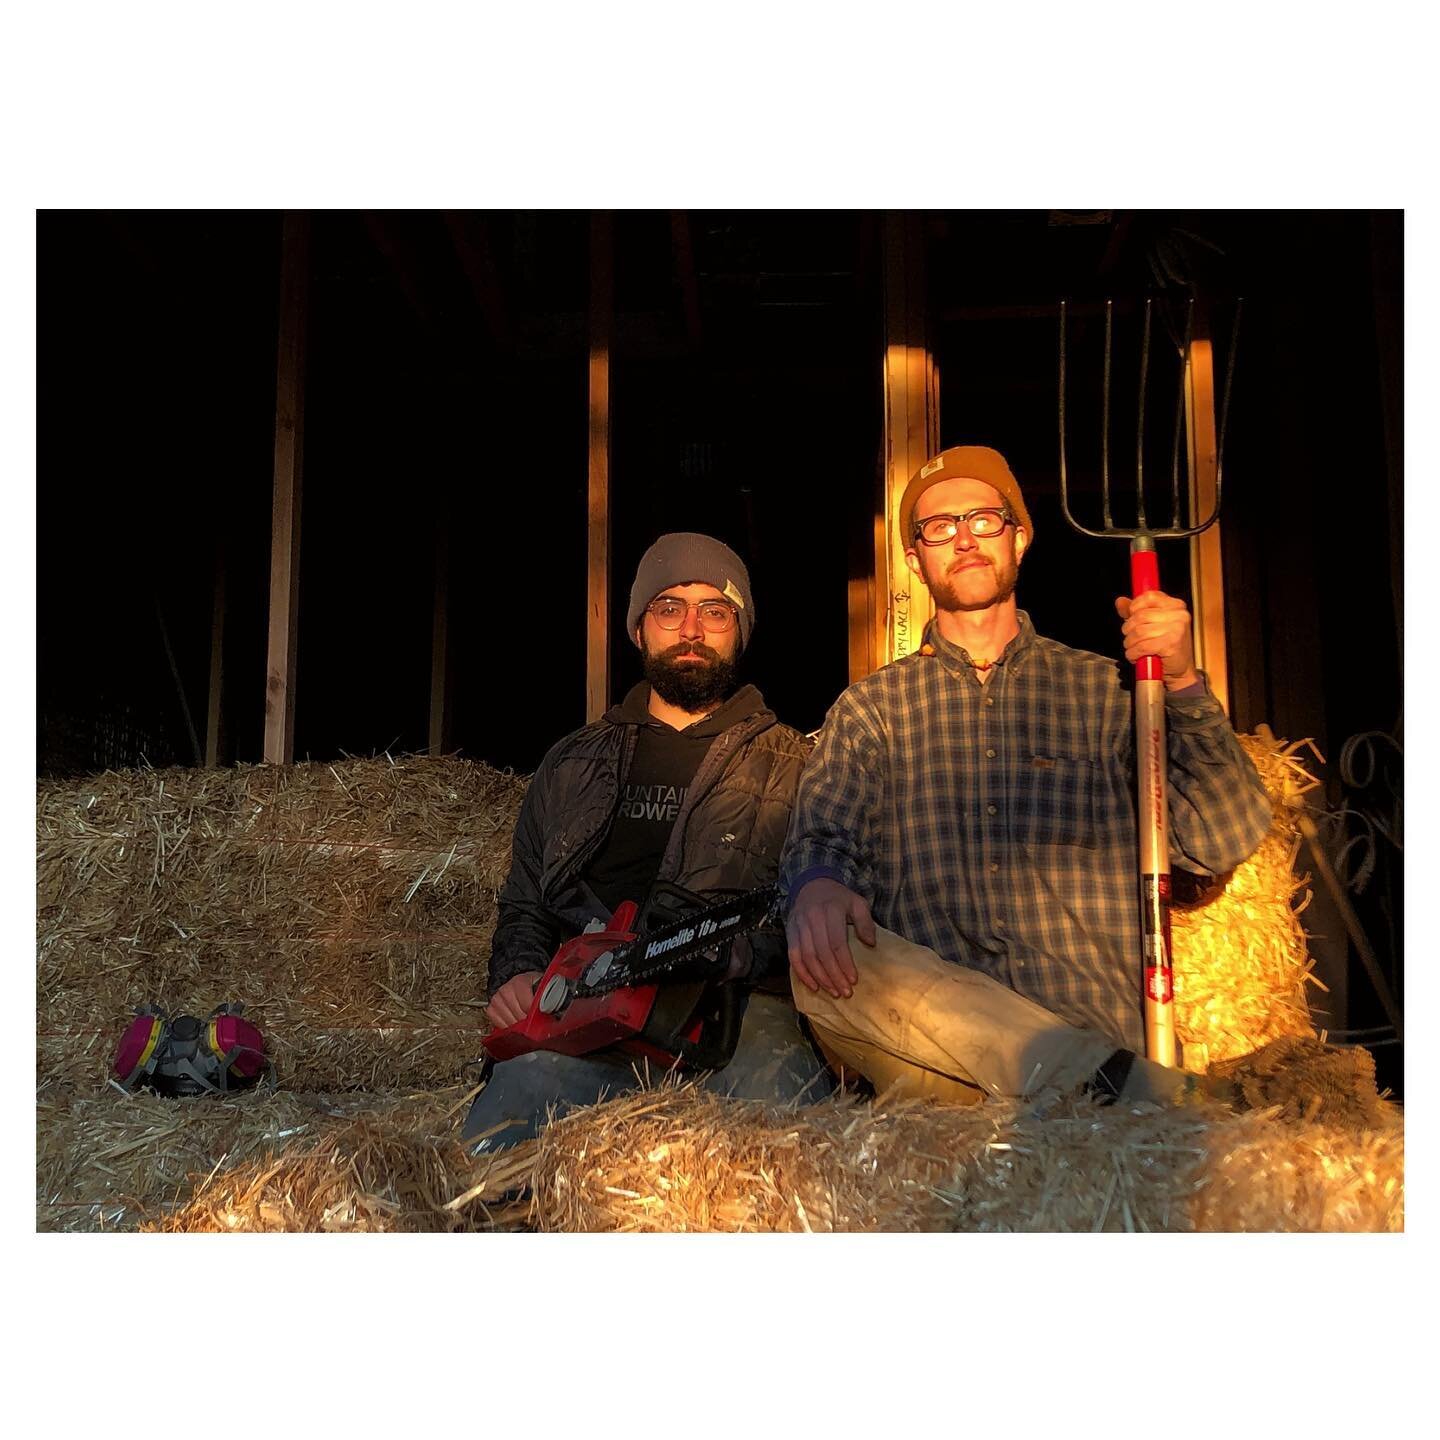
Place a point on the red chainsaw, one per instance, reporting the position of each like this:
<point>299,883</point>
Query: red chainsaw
<point>652,991</point>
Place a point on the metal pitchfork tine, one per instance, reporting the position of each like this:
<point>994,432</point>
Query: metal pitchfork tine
<point>1156,967</point>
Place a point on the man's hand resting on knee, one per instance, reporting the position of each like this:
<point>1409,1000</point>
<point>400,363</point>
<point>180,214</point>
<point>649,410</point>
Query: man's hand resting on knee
<point>511,1002</point>
<point>816,932</point>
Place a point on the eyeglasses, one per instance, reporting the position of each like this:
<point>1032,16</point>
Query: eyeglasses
<point>669,612</point>
<point>983,525</point>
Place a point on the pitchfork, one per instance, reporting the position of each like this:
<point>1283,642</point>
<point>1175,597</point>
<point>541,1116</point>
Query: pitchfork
<point>1157,972</point>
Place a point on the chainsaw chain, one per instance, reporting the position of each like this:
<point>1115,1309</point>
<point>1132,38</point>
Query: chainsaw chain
<point>621,975</point>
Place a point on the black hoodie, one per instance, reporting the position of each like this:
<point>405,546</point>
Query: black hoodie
<point>663,762</point>
<point>725,837</point>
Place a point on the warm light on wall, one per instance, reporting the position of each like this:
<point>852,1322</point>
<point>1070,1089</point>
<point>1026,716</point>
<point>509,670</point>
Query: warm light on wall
<point>912,426</point>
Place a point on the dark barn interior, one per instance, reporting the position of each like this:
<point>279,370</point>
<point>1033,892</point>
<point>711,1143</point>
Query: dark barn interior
<point>445,441</point>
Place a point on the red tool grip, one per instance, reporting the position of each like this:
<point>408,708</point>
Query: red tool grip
<point>1144,571</point>
<point>1144,577</point>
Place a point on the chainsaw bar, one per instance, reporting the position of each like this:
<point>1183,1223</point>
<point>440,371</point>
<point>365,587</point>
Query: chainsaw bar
<point>656,954</point>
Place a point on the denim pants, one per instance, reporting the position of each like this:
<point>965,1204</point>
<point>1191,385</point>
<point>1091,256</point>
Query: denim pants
<point>774,1062</point>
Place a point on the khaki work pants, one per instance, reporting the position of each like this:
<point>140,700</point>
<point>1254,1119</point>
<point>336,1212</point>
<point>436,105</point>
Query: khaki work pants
<point>939,1030</point>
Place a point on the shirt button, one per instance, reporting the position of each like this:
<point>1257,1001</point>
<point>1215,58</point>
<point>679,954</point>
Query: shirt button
<point>990,754</point>
<point>1000,925</point>
<point>992,809</point>
<point>994,867</point>
<point>989,699</point>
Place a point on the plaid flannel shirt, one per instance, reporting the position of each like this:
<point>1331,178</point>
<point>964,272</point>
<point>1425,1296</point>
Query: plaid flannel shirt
<point>995,823</point>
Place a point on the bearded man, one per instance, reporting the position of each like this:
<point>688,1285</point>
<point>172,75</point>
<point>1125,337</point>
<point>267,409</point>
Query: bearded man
<point>687,782</point>
<point>961,867</point>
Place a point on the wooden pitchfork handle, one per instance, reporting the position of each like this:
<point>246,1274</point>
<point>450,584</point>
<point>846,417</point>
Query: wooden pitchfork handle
<point>1153,826</point>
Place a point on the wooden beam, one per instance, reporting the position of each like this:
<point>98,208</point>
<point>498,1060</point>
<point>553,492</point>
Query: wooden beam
<point>1387,243</point>
<point>602,308</point>
<point>175,675</point>
<point>470,239</point>
<point>866,517</point>
<point>440,693</point>
<point>217,659</point>
<point>912,434</point>
<point>684,249</point>
<point>1119,234</point>
<point>285,522</point>
<point>1049,311</point>
<point>382,235</point>
<point>862,588</point>
<point>1207,571</point>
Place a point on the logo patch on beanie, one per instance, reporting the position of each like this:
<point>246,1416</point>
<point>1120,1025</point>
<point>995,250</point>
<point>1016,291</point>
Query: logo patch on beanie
<point>733,595</point>
<point>938,463</point>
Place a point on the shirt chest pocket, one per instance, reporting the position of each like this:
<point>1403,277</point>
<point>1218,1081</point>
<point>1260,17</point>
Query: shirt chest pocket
<point>722,830</point>
<point>1054,801</point>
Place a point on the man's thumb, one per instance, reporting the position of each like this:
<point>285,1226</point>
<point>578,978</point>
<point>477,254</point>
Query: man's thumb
<point>1122,606</point>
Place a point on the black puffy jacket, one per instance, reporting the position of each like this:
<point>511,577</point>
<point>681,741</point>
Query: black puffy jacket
<point>727,836</point>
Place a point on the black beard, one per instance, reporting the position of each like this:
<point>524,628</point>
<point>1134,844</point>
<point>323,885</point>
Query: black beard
<point>690,687</point>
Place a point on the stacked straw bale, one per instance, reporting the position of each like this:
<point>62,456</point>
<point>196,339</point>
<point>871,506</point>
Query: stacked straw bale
<point>350,907</point>
<point>675,1158</point>
<point>112,1161</point>
<point>1241,965</point>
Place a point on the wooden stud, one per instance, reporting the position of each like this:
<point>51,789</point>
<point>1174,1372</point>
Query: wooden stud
<point>684,250</point>
<point>217,660</point>
<point>860,606</point>
<point>602,302</point>
<point>470,239</point>
<point>1387,244</point>
<point>175,675</point>
<point>912,434</point>
<point>865,521</point>
<point>383,235</point>
<point>285,524</point>
<point>440,690</point>
<point>1207,573</point>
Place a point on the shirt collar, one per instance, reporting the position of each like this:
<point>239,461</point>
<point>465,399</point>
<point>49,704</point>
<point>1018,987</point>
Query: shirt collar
<point>955,657</point>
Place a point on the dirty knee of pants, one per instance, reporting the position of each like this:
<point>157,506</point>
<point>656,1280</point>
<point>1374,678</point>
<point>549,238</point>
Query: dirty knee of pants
<point>522,1091</point>
<point>774,1061</point>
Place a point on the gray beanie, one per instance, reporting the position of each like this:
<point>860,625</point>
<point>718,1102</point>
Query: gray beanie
<point>685,558</point>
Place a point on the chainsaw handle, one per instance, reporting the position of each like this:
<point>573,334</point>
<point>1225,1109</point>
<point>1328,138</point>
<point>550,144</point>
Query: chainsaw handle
<point>569,961</point>
<point>1145,577</point>
<point>715,1051</point>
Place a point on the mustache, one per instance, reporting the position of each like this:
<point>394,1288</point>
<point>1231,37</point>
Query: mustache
<point>690,647</point>
<point>969,560</point>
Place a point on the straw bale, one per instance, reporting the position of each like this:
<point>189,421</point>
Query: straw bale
<point>111,1160</point>
<point>1305,1079</point>
<point>680,1159</point>
<point>1241,964</point>
<point>1306,1177</point>
<point>364,1176</point>
<point>348,906</point>
<point>264,1160</point>
<point>332,898</point>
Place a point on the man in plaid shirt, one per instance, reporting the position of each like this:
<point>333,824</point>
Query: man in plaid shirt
<point>977,798</point>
